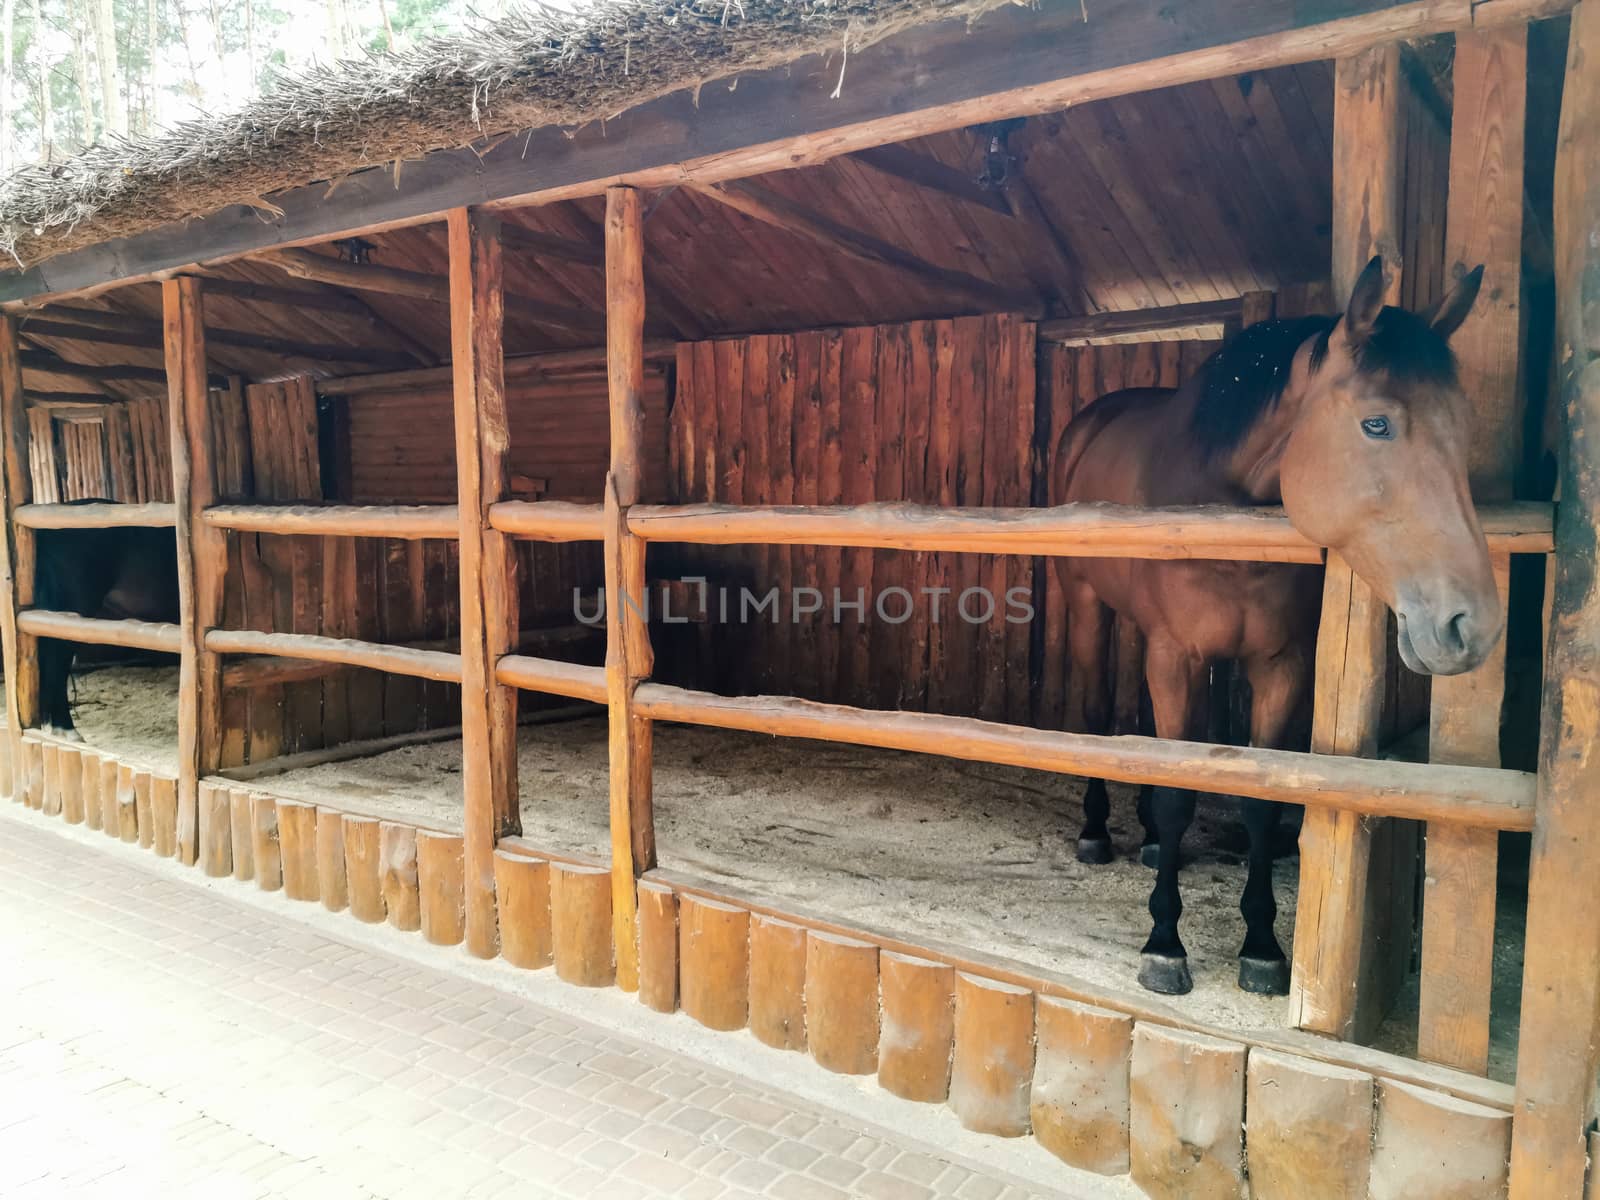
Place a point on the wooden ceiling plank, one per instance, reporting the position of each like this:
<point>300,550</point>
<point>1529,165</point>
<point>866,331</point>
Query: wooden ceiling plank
<point>1163,168</point>
<point>762,204</point>
<point>1150,265</point>
<point>1056,270</point>
<point>147,335</point>
<point>320,268</point>
<point>662,306</point>
<point>928,172</point>
<point>1254,116</point>
<point>540,244</point>
<point>265,293</point>
<point>323,299</point>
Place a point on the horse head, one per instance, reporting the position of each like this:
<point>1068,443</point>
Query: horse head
<point>1375,468</point>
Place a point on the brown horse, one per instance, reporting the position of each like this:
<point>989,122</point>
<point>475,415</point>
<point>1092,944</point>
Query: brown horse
<point>1357,425</point>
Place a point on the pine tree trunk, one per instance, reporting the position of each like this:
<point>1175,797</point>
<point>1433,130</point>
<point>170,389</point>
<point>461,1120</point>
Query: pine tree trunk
<point>250,41</point>
<point>388,29</point>
<point>113,111</point>
<point>195,90</point>
<point>152,37</point>
<point>46,146</point>
<point>338,30</point>
<point>8,31</point>
<point>80,73</point>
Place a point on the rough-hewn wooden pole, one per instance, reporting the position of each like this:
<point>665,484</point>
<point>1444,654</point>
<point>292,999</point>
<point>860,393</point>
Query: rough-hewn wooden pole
<point>1336,848</point>
<point>202,550</point>
<point>16,564</point>
<point>1483,225</point>
<point>488,564</point>
<point>628,655</point>
<point>1559,1050</point>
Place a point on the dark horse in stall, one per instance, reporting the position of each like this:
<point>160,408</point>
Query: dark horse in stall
<point>129,573</point>
<point>1357,425</point>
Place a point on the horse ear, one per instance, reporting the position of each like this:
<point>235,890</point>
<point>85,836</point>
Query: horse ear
<point>1366,302</point>
<point>1447,315</point>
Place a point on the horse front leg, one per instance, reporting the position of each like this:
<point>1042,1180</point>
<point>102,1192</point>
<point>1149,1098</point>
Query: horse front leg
<point>1178,682</point>
<point>1278,691</point>
<point>1089,702</point>
<point>55,670</point>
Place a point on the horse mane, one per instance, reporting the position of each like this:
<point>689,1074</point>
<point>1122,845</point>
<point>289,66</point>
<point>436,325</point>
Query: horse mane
<point>1243,381</point>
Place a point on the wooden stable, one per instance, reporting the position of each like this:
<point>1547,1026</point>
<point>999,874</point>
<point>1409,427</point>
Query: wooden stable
<point>346,582</point>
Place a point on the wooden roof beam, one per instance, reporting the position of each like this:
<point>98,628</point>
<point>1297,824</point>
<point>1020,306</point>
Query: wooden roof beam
<point>54,364</point>
<point>1140,320</point>
<point>763,204</point>
<point>319,268</point>
<point>87,325</point>
<point>38,398</point>
<point>928,172</point>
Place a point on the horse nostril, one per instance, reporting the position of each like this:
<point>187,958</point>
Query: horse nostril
<point>1455,633</point>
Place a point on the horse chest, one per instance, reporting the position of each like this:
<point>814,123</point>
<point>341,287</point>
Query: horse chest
<point>1215,610</point>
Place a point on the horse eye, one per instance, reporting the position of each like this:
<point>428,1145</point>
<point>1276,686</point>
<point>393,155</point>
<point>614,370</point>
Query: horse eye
<point>1377,427</point>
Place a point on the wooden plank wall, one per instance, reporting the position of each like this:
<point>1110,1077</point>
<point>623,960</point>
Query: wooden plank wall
<point>121,454</point>
<point>402,451</point>
<point>936,412</point>
<point>372,589</point>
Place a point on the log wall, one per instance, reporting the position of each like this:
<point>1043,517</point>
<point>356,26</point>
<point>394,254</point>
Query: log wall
<point>118,451</point>
<point>936,412</point>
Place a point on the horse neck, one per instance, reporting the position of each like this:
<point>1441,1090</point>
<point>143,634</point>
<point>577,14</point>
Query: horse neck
<point>1253,466</point>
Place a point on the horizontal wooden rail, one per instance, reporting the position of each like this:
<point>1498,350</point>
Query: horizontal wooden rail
<point>549,520</point>
<point>70,627</point>
<point>552,676</point>
<point>410,521</point>
<point>439,665</point>
<point>1083,530</point>
<point>1140,320</point>
<point>1479,796</point>
<point>155,515</point>
<point>266,670</point>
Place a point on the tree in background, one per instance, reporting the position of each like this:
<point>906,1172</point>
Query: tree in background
<point>75,71</point>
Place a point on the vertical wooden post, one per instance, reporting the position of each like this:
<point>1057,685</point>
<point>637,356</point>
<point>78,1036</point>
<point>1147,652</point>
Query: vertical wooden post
<point>202,551</point>
<point>628,654</point>
<point>16,555</point>
<point>1336,847</point>
<point>1559,1050</point>
<point>21,650</point>
<point>488,564</point>
<point>1484,225</point>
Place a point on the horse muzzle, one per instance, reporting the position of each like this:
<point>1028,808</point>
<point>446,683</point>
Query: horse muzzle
<point>1447,639</point>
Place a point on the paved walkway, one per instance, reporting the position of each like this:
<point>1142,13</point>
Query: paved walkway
<point>164,1036</point>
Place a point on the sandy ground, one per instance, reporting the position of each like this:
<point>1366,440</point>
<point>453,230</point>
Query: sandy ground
<point>973,854</point>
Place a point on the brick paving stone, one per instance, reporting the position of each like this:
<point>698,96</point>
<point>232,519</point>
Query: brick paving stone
<point>232,1050</point>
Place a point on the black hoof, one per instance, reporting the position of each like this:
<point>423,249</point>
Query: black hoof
<point>1094,850</point>
<point>1165,974</point>
<point>1150,855</point>
<point>1264,976</point>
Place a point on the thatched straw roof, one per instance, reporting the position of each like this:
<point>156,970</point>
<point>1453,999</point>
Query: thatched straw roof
<point>537,67</point>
